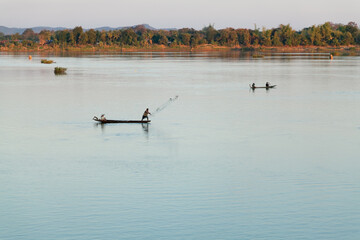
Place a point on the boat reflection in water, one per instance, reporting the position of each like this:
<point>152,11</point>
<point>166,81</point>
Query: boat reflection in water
<point>144,125</point>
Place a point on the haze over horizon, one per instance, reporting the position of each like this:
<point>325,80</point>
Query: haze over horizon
<point>170,14</point>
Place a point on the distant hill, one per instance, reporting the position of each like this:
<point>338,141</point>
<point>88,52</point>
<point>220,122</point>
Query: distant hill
<point>147,26</point>
<point>9,31</point>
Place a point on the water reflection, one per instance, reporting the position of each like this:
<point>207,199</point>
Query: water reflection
<point>253,89</point>
<point>145,127</point>
<point>102,126</point>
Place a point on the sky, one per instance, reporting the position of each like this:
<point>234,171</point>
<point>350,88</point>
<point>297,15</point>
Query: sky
<point>177,14</point>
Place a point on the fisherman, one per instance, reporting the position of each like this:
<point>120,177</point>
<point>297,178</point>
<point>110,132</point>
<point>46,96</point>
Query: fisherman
<point>267,84</point>
<point>103,118</point>
<point>145,115</point>
<point>253,85</point>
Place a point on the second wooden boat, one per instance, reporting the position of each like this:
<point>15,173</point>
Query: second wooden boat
<point>272,86</point>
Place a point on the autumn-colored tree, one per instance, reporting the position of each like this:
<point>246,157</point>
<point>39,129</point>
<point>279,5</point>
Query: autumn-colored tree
<point>327,34</point>
<point>29,34</point>
<point>244,37</point>
<point>44,36</point>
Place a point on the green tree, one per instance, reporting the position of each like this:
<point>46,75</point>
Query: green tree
<point>129,37</point>
<point>325,31</point>
<point>210,33</point>
<point>77,31</point>
<point>286,35</point>
<point>27,43</point>
<point>91,36</point>
<point>336,38</point>
<point>195,40</point>
<point>357,38</point>
<point>70,39</point>
<point>160,38</point>
<point>83,39</point>
<point>315,35</point>
<point>163,40</point>
<point>266,37</point>
<point>116,36</point>
<point>347,39</point>
<point>103,36</point>
<point>276,39</point>
<point>61,37</point>
<point>185,38</point>
<point>109,37</point>
<point>146,38</point>
<point>352,28</point>
<point>174,38</point>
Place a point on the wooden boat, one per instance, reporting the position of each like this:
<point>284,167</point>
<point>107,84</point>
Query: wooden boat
<point>272,86</point>
<point>120,121</point>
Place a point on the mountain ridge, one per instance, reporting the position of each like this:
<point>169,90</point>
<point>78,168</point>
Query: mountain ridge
<point>8,31</point>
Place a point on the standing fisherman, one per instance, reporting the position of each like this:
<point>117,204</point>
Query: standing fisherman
<point>145,115</point>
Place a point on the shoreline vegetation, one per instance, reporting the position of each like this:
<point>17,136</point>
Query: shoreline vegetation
<point>60,70</point>
<point>337,39</point>
<point>46,61</point>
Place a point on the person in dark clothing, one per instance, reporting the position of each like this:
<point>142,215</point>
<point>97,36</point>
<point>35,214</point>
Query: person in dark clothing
<point>145,115</point>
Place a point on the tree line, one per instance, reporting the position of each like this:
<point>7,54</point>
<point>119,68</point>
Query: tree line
<point>327,34</point>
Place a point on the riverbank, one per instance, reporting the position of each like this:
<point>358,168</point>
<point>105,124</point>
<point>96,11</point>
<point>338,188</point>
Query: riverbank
<point>340,50</point>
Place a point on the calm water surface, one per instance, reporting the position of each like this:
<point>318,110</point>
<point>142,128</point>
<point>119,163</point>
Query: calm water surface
<point>220,162</point>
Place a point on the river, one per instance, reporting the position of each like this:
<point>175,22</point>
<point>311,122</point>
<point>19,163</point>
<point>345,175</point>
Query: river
<point>220,161</point>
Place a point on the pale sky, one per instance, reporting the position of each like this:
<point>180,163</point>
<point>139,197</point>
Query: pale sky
<point>177,14</point>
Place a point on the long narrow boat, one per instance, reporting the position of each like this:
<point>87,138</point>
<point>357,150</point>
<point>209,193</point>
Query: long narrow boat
<point>120,121</point>
<point>272,86</point>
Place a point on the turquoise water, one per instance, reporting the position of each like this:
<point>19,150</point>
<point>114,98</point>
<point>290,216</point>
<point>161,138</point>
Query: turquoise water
<point>220,162</point>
